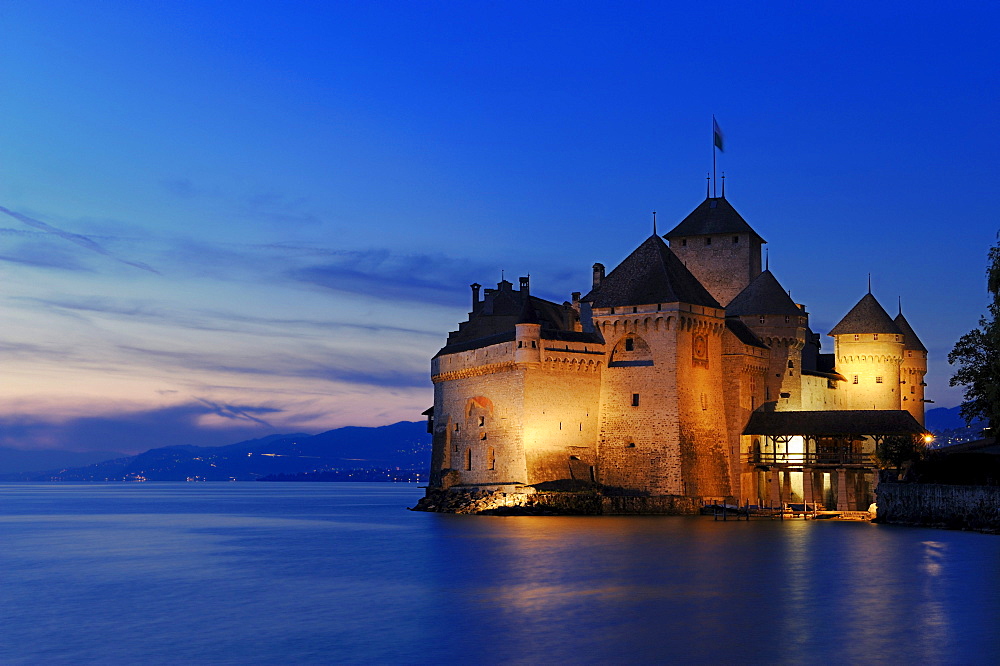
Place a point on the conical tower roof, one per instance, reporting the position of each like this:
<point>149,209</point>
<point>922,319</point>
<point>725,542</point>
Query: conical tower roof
<point>763,296</point>
<point>714,216</point>
<point>910,339</point>
<point>867,317</point>
<point>651,274</point>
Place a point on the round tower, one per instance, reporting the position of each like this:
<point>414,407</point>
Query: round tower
<point>868,346</point>
<point>913,369</point>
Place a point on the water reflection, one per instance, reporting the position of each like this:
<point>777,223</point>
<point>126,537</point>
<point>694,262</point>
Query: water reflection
<point>320,573</point>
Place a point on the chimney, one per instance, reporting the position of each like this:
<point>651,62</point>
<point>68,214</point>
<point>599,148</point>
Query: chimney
<point>598,275</point>
<point>524,284</point>
<point>475,294</point>
<point>576,299</point>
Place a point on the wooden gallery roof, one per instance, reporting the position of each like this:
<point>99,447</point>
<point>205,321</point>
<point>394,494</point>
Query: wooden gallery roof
<point>837,423</point>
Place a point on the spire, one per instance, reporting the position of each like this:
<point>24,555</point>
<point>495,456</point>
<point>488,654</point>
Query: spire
<point>767,258</point>
<point>654,223</point>
<point>869,283</point>
<point>900,305</point>
<point>708,186</point>
<point>723,184</point>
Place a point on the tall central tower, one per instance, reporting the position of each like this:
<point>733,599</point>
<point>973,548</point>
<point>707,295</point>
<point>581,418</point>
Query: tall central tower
<point>716,244</point>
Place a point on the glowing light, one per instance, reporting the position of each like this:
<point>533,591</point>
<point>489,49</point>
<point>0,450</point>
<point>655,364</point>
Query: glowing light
<point>928,438</point>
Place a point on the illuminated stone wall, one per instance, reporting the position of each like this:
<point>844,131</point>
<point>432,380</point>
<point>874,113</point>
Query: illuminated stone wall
<point>911,378</point>
<point>723,266</point>
<point>478,407</point>
<point>744,370</point>
<point>820,393</point>
<point>663,416</point>
<point>871,364</point>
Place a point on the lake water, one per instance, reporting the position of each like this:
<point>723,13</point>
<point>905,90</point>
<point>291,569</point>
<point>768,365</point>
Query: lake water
<point>341,573</point>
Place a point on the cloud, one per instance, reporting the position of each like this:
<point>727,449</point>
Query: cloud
<point>137,431</point>
<point>234,413</point>
<point>81,240</point>
<point>387,276</point>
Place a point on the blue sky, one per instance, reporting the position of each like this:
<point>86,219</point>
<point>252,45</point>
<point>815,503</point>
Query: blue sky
<point>230,219</point>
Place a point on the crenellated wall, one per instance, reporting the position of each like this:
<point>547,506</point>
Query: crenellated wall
<point>871,363</point>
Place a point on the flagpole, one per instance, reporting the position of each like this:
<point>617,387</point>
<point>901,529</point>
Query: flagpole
<point>713,156</point>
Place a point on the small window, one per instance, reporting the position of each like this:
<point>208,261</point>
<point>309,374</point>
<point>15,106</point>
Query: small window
<point>482,437</point>
<point>708,241</point>
<point>455,447</point>
<point>635,399</point>
<point>786,395</point>
<point>634,310</point>
<point>612,310</point>
<point>629,344</point>
<point>456,427</point>
<point>763,319</point>
<point>787,319</point>
<point>520,343</point>
<point>581,427</point>
<point>491,459</point>
<point>482,421</point>
<point>909,353</point>
<point>855,379</point>
<point>630,445</point>
<point>791,364</point>
<point>684,242</point>
<point>736,239</point>
<point>856,337</point>
<point>878,380</point>
<point>534,344</point>
<point>468,459</point>
<point>574,457</point>
<point>875,337</point>
<point>560,425</point>
<point>913,388</point>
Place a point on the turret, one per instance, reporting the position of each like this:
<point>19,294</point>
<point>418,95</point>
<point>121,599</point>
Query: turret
<point>719,247</point>
<point>913,369</point>
<point>868,346</point>
<point>767,309</point>
<point>528,335</point>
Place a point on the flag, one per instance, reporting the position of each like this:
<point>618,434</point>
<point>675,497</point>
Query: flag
<point>717,138</point>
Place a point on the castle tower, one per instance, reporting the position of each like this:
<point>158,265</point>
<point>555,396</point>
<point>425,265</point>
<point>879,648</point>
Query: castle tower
<point>767,310</point>
<point>716,244</point>
<point>911,373</point>
<point>663,422</point>
<point>868,346</point>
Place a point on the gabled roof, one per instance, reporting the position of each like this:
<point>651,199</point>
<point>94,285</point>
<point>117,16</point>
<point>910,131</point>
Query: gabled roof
<point>713,216</point>
<point>832,423</point>
<point>910,339</point>
<point>651,274</point>
<point>763,296</point>
<point>868,316</point>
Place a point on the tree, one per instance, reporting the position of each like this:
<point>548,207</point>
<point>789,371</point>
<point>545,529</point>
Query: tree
<point>977,353</point>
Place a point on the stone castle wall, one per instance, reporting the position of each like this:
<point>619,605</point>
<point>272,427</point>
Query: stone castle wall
<point>911,378</point>
<point>871,365</point>
<point>936,505</point>
<point>724,264</point>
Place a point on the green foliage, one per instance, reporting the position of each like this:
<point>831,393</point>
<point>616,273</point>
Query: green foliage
<point>896,451</point>
<point>977,353</point>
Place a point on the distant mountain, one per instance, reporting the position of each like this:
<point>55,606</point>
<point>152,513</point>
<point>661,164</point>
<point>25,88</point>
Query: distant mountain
<point>944,418</point>
<point>949,427</point>
<point>13,461</point>
<point>401,446</point>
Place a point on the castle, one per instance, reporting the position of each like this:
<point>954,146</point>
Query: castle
<point>686,375</point>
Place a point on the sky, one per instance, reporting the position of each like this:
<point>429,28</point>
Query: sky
<point>221,220</point>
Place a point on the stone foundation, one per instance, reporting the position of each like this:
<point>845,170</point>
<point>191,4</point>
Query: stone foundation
<point>937,505</point>
<point>583,503</point>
